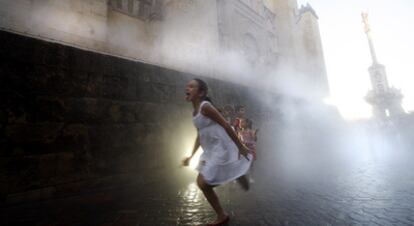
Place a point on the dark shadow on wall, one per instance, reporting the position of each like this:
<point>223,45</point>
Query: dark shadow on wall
<point>73,121</point>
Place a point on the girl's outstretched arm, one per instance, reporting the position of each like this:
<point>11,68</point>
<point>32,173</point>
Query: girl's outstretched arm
<point>186,161</point>
<point>211,112</point>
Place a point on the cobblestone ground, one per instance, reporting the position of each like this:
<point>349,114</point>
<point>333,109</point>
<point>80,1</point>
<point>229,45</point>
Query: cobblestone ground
<point>377,191</point>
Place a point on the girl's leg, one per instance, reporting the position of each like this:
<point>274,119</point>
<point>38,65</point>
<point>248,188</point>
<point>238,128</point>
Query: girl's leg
<point>244,182</point>
<point>211,197</point>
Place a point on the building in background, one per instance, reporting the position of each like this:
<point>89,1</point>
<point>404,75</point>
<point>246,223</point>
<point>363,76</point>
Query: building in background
<point>211,38</point>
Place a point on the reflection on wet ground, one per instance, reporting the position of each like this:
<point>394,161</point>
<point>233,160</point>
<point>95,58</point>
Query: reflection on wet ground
<point>191,200</point>
<point>368,191</point>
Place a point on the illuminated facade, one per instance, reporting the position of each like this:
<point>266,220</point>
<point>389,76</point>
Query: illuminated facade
<point>195,36</point>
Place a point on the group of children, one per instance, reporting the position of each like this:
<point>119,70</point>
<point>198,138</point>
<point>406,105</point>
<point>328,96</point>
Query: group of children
<point>241,125</point>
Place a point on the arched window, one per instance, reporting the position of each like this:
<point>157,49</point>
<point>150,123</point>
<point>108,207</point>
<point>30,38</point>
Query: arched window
<point>143,9</point>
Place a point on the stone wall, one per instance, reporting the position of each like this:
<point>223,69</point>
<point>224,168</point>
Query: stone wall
<point>190,26</point>
<point>221,37</point>
<point>73,120</point>
<point>310,52</point>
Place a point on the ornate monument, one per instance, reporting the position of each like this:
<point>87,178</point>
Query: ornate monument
<point>385,100</point>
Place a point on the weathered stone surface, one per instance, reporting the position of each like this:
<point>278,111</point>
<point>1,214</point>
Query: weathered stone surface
<point>2,134</point>
<point>143,72</point>
<point>14,51</point>
<point>47,165</point>
<point>153,134</point>
<point>150,113</point>
<point>49,109</point>
<point>33,195</point>
<point>166,76</point>
<point>123,112</point>
<point>22,173</point>
<point>114,86</point>
<point>143,91</point>
<point>76,137</point>
<point>162,92</point>
<point>65,163</point>
<point>38,132</point>
<point>88,110</point>
<point>130,161</point>
<point>117,135</point>
<point>102,110</point>
<point>69,117</point>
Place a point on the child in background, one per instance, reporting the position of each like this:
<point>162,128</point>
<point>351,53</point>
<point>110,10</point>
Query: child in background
<point>228,113</point>
<point>240,113</point>
<point>249,138</point>
<point>248,135</point>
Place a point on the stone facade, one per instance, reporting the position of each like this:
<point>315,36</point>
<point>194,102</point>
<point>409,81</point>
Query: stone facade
<point>310,55</point>
<point>250,28</point>
<point>195,36</point>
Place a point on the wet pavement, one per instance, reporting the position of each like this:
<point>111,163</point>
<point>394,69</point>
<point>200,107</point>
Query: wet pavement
<point>367,191</point>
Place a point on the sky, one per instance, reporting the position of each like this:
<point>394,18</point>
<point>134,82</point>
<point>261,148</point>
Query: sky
<point>347,55</point>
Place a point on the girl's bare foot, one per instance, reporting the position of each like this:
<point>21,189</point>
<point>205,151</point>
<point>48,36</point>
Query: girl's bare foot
<point>221,220</point>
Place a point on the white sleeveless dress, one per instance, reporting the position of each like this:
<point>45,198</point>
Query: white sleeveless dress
<point>219,162</point>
